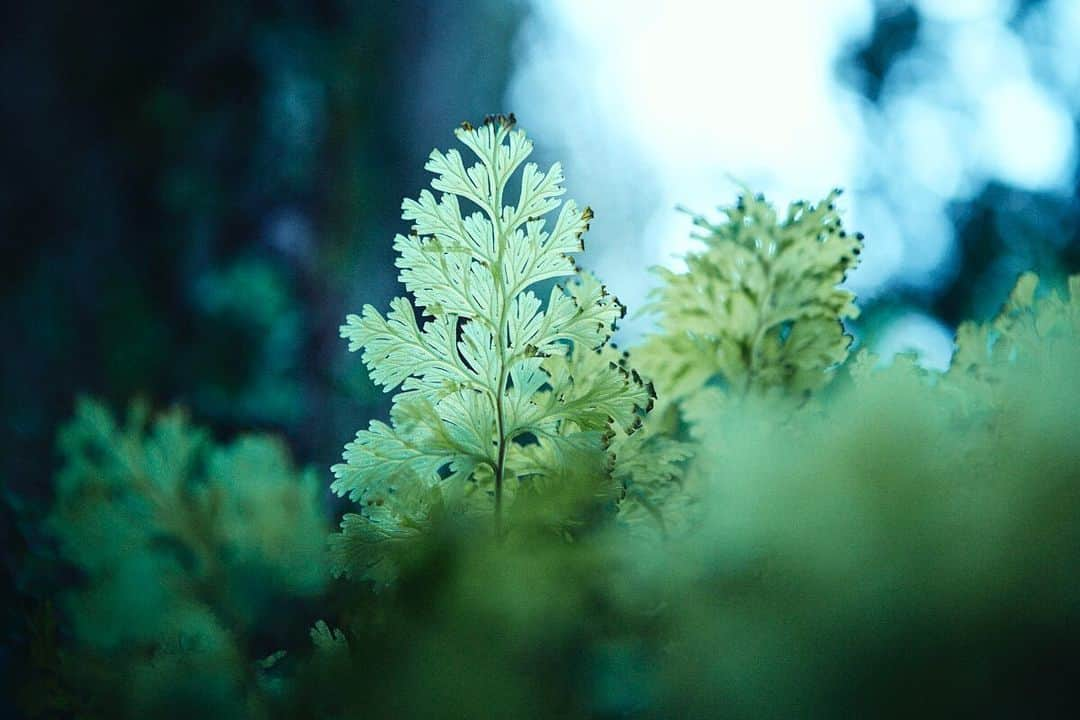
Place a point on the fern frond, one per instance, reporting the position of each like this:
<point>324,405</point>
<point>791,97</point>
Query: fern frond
<point>174,532</point>
<point>487,371</point>
<point>1030,328</point>
<point>759,308</point>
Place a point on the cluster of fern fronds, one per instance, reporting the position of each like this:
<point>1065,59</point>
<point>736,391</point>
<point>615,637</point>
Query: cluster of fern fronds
<point>732,519</point>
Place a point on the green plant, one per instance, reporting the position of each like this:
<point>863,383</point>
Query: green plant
<point>1028,330</point>
<point>186,550</point>
<point>758,310</point>
<point>490,384</point>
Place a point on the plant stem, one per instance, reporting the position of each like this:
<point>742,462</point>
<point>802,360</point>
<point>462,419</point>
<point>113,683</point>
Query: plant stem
<point>501,340</point>
<point>501,462</point>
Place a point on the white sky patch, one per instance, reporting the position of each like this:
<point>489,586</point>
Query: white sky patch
<point>931,144</point>
<point>1027,136</point>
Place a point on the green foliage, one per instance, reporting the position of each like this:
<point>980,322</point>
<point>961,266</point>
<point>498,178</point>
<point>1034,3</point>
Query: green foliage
<point>1028,330</point>
<point>908,529</point>
<point>885,543</point>
<point>496,391</point>
<point>840,558</point>
<point>186,550</point>
<point>650,467</point>
<point>758,310</point>
<point>756,314</point>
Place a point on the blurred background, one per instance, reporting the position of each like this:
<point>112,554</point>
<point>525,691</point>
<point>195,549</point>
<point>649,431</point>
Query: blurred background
<point>192,196</point>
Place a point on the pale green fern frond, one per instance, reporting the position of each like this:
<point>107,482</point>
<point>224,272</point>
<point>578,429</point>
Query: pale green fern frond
<point>485,373</point>
<point>759,309</point>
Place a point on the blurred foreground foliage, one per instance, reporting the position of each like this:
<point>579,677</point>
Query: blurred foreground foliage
<point>189,556</point>
<point>900,542</point>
